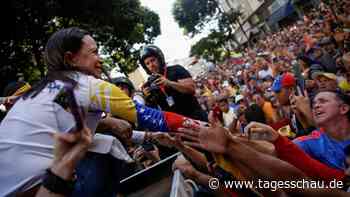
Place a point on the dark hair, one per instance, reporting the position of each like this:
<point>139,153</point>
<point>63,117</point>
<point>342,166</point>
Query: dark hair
<point>12,87</point>
<point>305,59</point>
<point>124,81</point>
<point>64,40</point>
<point>255,113</point>
<point>347,150</point>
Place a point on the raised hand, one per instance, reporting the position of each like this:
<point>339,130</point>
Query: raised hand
<point>69,149</point>
<point>212,139</point>
<point>264,130</point>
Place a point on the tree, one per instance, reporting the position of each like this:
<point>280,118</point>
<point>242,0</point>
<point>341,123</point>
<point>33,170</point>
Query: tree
<point>231,17</point>
<point>117,25</point>
<point>211,47</point>
<point>192,15</point>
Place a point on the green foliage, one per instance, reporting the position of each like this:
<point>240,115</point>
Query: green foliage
<point>210,47</point>
<point>192,15</point>
<point>117,25</point>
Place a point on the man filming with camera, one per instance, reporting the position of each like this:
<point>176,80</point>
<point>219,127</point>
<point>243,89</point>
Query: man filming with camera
<point>169,87</point>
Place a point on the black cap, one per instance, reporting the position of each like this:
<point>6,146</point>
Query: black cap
<point>124,80</point>
<point>325,41</point>
<point>152,50</point>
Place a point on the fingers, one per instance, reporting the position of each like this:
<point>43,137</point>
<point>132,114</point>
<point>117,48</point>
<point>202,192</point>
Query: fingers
<point>194,145</point>
<point>188,137</point>
<point>86,136</point>
<point>257,127</point>
<point>189,132</point>
<point>160,81</point>
<point>306,94</point>
<point>257,130</point>
<point>230,136</point>
<point>67,137</point>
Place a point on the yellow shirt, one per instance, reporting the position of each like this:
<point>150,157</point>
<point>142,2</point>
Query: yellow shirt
<point>269,112</point>
<point>344,85</point>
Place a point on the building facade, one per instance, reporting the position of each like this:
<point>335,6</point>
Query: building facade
<point>262,16</point>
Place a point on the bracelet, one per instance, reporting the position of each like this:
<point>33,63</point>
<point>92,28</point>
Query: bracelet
<point>147,136</point>
<point>57,185</point>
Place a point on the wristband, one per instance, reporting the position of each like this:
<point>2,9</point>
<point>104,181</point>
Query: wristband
<point>57,185</point>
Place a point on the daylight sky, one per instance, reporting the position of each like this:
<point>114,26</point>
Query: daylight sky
<point>173,43</point>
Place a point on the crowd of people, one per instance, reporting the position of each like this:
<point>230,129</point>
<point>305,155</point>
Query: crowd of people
<point>279,112</point>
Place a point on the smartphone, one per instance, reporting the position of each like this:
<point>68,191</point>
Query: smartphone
<point>67,100</point>
<point>299,78</point>
<point>148,146</point>
<point>74,107</point>
<point>259,136</point>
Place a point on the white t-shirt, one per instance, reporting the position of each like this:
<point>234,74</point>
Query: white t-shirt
<point>229,117</point>
<point>26,140</point>
<point>264,73</point>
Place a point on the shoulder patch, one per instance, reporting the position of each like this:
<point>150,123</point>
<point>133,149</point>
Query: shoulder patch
<point>314,135</point>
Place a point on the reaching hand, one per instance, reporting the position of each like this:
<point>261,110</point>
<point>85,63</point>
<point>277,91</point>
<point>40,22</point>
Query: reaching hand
<point>69,149</point>
<point>256,127</point>
<point>185,167</point>
<point>301,107</point>
<point>166,140</point>
<point>212,139</point>
<point>121,128</point>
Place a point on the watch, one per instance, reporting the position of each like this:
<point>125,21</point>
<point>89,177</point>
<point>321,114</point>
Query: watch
<point>57,185</point>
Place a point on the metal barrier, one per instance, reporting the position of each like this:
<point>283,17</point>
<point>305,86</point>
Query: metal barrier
<point>179,187</point>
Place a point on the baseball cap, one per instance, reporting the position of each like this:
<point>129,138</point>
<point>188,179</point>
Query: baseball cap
<point>324,74</point>
<point>267,78</point>
<point>282,81</point>
<point>325,41</point>
<point>239,98</point>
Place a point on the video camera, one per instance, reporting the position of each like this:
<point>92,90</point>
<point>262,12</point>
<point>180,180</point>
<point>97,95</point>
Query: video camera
<point>150,83</point>
<point>155,94</point>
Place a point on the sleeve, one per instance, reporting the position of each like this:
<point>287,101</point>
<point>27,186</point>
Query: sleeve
<point>288,151</point>
<point>156,120</point>
<point>109,98</point>
<point>181,73</point>
<point>138,137</point>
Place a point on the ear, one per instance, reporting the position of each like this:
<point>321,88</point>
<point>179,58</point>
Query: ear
<point>344,109</point>
<point>69,58</point>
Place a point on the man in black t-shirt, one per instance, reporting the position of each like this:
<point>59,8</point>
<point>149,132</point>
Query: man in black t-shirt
<point>174,85</point>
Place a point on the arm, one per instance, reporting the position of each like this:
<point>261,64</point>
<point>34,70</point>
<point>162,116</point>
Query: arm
<point>344,20</point>
<point>288,151</point>
<point>182,80</point>
<point>190,172</point>
<point>195,156</point>
<point>186,86</point>
<point>43,192</point>
<point>118,127</point>
<point>302,109</point>
<point>70,148</point>
<point>109,98</point>
<point>273,167</point>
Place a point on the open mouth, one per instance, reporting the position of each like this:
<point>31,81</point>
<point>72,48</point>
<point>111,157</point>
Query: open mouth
<point>318,114</point>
